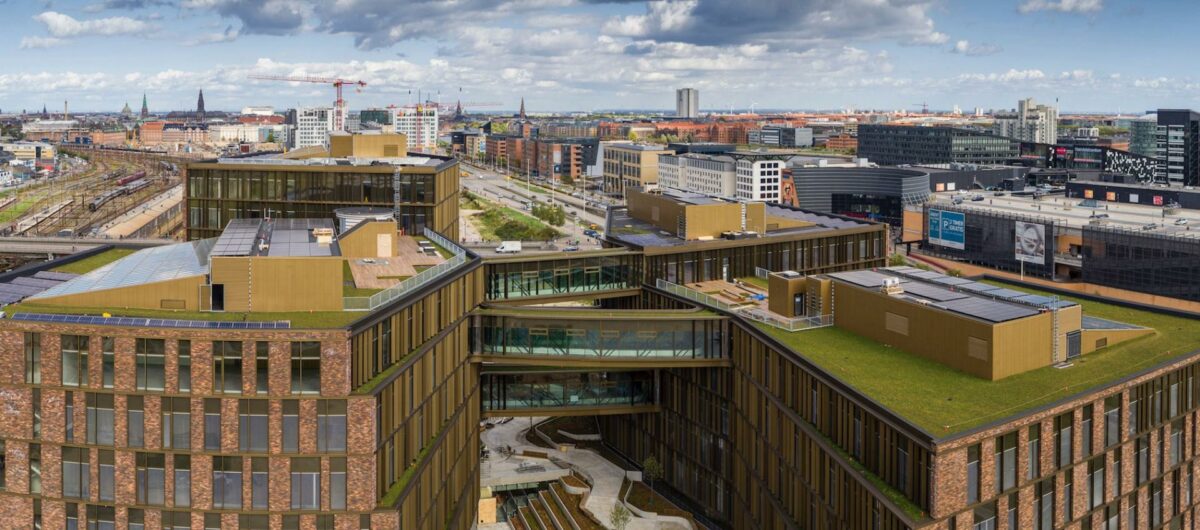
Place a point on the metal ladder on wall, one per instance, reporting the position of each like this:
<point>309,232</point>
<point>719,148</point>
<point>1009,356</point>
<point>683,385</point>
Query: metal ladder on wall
<point>1054,331</point>
<point>396,195</point>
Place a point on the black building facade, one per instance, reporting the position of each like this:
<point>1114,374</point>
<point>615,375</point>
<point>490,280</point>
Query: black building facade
<point>1160,264</point>
<point>901,144</point>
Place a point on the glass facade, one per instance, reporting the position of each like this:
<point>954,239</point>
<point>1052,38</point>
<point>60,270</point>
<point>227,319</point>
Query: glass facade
<point>562,276</point>
<point>1150,263</point>
<point>507,391</point>
<point>218,193</point>
<point>990,240</point>
<point>601,337</point>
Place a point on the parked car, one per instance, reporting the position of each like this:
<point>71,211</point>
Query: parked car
<point>570,248</point>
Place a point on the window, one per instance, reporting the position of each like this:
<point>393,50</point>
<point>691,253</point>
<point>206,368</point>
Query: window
<point>183,481</point>
<point>259,480</point>
<point>184,363</point>
<point>1085,427</point>
<point>1142,462</point>
<point>177,423</point>
<point>35,468</point>
<point>74,360</point>
<point>1012,511</point>
<point>107,361</point>
<point>1043,505</point>
<point>99,418</point>
<point>331,426</point>
<point>212,521</point>
<point>1034,452</point>
<point>291,426</point>
<point>33,358</point>
<point>151,474</point>
<point>176,521</point>
<point>254,522</point>
<point>252,425</point>
<point>1115,473</point>
<point>1112,420</point>
<point>37,413</point>
<point>1095,482</point>
<point>306,367</point>
<point>72,516</point>
<point>985,517</point>
<point>107,474</point>
<point>69,416</point>
<point>306,483</point>
<point>137,519</point>
<point>227,482</point>
<point>212,424</point>
<point>1006,462</point>
<point>902,469</point>
<point>973,474</point>
<point>1062,439</point>
<point>101,517</point>
<point>1068,496</point>
<point>150,356</point>
<point>1156,503</point>
<point>227,367</point>
<point>262,367</point>
<point>1176,450</point>
<point>1134,404</point>
<point>136,415</point>
<point>337,483</point>
<point>75,472</point>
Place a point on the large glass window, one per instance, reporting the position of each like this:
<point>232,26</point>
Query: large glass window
<point>136,421</point>
<point>337,483</point>
<point>151,358</point>
<point>1063,428</point>
<point>151,475</point>
<point>1112,420</point>
<point>99,419</point>
<point>259,483</point>
<point>107,361</point>
<point>74,360</point>
<point>973,474</point>
<point>262,367</point>
<point>183,481</point>
<point>177,423</point>
<point>306,367</point>
<point>331,426</point>
<point>184,363</point>
<point>252,425</point>
<point>227,367</point>
<point>306,483</point>
<point>35,468</point>
<point>291,426</point>
<point>107,474</point>
<point>76,472</point>
<point>1006,462</point>
<point>33,358</point>
<point>212,424</point>
<point>227,482</point>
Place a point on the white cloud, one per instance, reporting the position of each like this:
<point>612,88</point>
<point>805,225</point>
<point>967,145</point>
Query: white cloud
<point>1010,76</point>
<point>1061,6</point>
<point>968,48</point>
<point>62,26</point>
<point>29,43</point>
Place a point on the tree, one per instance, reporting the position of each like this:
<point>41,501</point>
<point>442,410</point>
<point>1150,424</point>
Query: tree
<point>271,137</point>
<point>619,517</point>
<point>652,470</point>
<point>633,137</point>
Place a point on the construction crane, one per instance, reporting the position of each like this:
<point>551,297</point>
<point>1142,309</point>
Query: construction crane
<point>924,107</point>
<point>339,106</point>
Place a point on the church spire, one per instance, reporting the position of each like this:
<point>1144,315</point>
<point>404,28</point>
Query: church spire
<point>145,107</point>
<point>200,107</point>
<point>522,108</point>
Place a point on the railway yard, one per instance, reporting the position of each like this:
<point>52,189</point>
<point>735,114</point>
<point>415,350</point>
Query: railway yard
<point>97,198</point>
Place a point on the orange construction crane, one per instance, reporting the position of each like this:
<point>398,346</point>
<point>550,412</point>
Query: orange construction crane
<point>339,106</point>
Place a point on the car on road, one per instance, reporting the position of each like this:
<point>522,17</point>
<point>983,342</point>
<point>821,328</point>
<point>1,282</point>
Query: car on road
<point>591,233</point>
<point>977,198</point>
<point>570,248</point>
<point>1181,222</point>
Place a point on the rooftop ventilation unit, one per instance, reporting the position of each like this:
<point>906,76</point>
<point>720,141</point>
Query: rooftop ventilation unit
<point>891,286</point>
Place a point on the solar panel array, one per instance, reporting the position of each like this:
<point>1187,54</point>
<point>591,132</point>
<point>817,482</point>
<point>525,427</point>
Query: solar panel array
<point>23,287</point>
<point>863,278</point>
<point>149,322</point>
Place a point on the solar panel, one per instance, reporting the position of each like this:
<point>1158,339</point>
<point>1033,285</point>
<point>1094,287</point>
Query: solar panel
<point>862,278</point>
<point>926,275</point>
<point>238,238</point>
<point>155,264</point>
<point>35,282</point>
<point>989,310</point>
<point>53,275</point>
<point>932,292</point>
<point>976,287</point>
<point>951,280</point>
<point>24,290</point>
<point>1006,293</point>
<point>149,322</point>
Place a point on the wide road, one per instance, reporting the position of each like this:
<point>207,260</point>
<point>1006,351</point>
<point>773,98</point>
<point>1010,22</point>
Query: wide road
<point>496,188</point>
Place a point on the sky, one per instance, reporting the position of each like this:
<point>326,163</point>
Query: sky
<point>586,55</point>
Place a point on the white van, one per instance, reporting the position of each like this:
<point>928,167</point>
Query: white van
<point>509,247</point>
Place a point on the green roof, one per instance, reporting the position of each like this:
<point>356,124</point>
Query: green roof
<point>944,401</point>
<point>95,261</point>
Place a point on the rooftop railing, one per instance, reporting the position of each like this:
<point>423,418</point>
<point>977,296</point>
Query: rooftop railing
<point>364,303</point>
<point>752,312</point>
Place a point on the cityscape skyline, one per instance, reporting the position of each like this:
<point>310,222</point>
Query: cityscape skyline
<point>581,56</point>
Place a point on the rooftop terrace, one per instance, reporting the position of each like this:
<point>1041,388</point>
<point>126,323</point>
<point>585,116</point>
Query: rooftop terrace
<point>944,401</point>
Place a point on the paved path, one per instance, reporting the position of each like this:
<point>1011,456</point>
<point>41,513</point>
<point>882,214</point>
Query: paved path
<point>606,476</point>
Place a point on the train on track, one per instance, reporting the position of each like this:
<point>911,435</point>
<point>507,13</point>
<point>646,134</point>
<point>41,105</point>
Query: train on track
<point>126,187</point>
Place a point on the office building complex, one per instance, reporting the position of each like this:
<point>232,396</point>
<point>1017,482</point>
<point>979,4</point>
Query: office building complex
<point>713,175</point>
<point>758,175</point>
<point>901,144</point>
<point>313,126</point>
<point>687,103</point>
<point>1177,147</point>
<point>421,189</point>
<point>420,125</point>
<point>775,136</point>
<point>302,373</point>
<point>627,164</point>
<point>879,194</point>
<point>1030,122</point>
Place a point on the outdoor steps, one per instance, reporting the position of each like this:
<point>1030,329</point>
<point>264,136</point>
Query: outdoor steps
<point>561,519</point>
<point>539,510</point>
<point>530,519</point>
